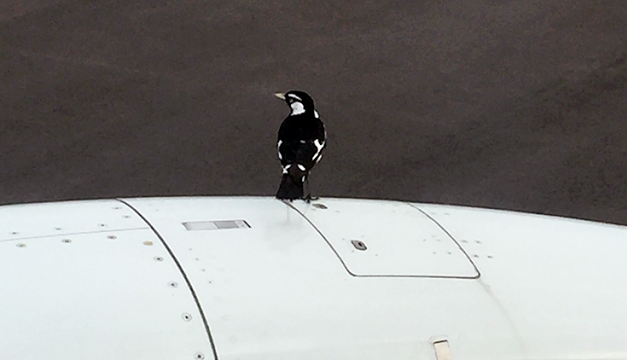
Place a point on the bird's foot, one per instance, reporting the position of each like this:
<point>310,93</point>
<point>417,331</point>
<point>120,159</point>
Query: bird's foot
<point>308,199</point>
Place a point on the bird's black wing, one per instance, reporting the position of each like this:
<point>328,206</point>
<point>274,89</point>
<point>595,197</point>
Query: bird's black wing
<point>320,141</point>
<point>321,133</point>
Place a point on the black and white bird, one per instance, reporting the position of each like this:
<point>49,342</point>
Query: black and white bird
<point>302,138</point>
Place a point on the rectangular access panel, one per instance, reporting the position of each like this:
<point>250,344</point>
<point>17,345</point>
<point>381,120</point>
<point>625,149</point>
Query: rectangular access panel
<point>386,238</point>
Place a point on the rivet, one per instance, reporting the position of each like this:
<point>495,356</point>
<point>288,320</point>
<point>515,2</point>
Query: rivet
<point>148,243</point>
<point>67,241</point>
<point>117,208</point>
<point>21,245</point>
<point>173,284</point>
<point>490,257</point>
<point>102,225</point>
<point>127,216</point>
<point>57,228</point>
<point>158,258</point>
<point>199,356</point>
<point>477,241</point>
<point>14,233</point>
<point>112,237</point>
<point>464,241</point>
<point>320,206</point>
<point>475,256</point>
<point>186,317</point>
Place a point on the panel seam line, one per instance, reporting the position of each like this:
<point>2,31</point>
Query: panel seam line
<point>180,267</point>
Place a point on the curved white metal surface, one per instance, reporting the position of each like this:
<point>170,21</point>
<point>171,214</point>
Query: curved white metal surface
<point>276,290</point>
<point>71,217</point>
<point>93,280</point>
<point>113,293</point>
<point>561,281</point>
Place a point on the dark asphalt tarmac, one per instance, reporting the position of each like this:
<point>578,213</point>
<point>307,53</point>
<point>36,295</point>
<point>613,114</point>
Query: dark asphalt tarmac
<point>516,105</point>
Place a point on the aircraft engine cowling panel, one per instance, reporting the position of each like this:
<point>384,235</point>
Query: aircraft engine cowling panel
<point>375,238</point>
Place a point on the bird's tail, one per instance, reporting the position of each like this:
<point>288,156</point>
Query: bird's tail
<point>290,188</point>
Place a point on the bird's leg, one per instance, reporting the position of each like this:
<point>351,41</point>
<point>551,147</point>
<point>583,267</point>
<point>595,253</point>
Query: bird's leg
<point>307,197</point>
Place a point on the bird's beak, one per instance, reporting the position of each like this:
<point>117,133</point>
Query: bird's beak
<point>280,95</point>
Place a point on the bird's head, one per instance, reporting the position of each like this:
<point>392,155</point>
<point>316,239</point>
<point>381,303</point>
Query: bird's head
<point>297,100</point>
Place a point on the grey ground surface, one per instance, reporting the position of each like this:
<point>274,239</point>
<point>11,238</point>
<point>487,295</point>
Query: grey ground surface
<point>516,105</point>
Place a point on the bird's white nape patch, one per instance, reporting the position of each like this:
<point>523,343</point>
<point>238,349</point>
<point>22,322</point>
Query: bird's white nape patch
<point>297,108</point>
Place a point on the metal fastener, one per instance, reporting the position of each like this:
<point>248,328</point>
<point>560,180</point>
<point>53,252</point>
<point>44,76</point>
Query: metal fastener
<point>359,245</point>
